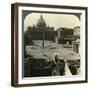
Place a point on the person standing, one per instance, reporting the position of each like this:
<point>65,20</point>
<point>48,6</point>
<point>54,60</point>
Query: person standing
<point>62,66</point>
<point>59,66</point>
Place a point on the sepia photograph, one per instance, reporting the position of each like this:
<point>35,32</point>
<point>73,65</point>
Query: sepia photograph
<point>49,44</point>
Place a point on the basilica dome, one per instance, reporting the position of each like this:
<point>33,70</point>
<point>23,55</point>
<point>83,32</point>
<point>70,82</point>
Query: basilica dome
<point>41,22</point>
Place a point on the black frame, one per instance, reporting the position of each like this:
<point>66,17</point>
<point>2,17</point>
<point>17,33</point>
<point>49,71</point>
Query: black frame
<point>14,43</point>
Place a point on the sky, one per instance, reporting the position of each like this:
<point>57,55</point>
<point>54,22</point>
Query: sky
<point>53,20</point>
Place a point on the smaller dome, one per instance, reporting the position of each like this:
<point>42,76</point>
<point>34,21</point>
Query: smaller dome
<point>41,21</point>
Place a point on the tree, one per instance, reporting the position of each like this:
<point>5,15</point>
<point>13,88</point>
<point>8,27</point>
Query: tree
<point>27,39</point>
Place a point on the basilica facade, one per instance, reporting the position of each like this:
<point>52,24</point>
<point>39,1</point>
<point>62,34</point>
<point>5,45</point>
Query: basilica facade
<point>41,31</point>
